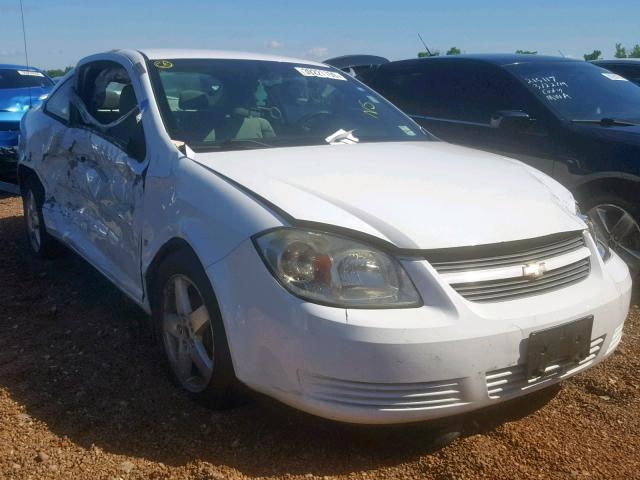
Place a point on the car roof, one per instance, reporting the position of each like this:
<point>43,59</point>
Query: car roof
<point>499,59</point>
<point>10,66</point>
<point>171,53</point>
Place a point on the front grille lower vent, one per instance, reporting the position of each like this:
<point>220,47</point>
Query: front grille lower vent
<point>510,381</point>
<point>507,289</point>
<point>384,396</point>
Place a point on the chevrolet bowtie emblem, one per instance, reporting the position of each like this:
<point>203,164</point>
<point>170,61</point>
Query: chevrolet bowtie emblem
<point>534,270</point>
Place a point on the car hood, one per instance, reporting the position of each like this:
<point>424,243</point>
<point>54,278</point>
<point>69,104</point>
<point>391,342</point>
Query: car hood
<point>417,195</point>
<point>18,100</point>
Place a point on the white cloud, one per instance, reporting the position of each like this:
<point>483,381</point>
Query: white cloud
<point>274,44</point>
<point>319,53</point>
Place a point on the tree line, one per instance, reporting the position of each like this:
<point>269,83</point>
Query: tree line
<point>620,52</point>
<point>58,72</point>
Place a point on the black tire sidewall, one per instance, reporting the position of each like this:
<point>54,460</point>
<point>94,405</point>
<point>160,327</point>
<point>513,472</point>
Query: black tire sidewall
<point>220,393</point>
<point>45,251</point>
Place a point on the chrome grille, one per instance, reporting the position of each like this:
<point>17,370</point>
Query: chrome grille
<point>509,381</point>
<point>496,272</point>
<point>522,252</point>
<point>494,290</point>
<point>383,396</point>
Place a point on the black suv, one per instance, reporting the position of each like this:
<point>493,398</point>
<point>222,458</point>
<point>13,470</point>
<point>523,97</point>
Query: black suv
<point>571,119</point>
<point>628,68</point>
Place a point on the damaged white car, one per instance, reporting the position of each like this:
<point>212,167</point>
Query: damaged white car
<point>289,229</point>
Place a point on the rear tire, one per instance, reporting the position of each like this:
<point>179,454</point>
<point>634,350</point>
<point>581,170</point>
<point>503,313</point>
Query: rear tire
<point>190,331</point>
<point>618,219</point>
<point>40,242</point>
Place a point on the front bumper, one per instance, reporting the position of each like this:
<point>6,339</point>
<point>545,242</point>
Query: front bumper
<point>394,366</point>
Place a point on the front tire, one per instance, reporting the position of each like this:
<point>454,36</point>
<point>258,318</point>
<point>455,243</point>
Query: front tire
<point>40,242</point>
<point>190,331</point>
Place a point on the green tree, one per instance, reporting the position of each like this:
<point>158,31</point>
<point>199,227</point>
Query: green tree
<point>58,72</point>
<point>621,52</point>
<point>454,51</point>
<point>595,55</point>
<point>527,52</point>
<point>434,53</point>
<point>635,51</point>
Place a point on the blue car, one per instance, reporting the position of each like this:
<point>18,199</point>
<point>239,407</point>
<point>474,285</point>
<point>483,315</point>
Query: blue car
<point>20,89</point>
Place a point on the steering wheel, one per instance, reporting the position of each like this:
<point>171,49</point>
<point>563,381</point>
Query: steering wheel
<point>306,122</point>
<point>273,112</point>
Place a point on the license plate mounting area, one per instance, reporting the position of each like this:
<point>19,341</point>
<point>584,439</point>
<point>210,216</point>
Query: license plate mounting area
<point>566,344</point>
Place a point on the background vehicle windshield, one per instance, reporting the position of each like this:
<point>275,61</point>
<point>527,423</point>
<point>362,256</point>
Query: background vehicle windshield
<point>581,91</point>
<point>22,79</point>
<point>221,104</point>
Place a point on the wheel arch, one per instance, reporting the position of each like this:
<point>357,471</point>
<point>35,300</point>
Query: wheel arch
<point>170,247</point>
<point>24,173</point>
<point>625,187</point>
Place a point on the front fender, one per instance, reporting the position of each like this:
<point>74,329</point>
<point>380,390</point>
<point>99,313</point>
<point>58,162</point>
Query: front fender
<point>202,209</point>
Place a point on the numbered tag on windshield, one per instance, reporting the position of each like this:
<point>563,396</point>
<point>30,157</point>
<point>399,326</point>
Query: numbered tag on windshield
<point>316,72</point>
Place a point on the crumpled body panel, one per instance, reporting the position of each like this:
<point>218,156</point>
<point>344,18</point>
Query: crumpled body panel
<point>92,192</point>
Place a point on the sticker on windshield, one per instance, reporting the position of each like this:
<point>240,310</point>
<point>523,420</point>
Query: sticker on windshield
<point>368,108</point>
<point>550,86</point>
<point>614,76</point>
<point>163,64</point>
<point>316,72</point>
<point>30,73</point>
<point>407,130</point>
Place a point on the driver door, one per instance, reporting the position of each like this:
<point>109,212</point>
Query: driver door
<point>111,157</point>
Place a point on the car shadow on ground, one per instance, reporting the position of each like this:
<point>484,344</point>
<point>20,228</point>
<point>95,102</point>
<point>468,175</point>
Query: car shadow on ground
<point>78,356</point>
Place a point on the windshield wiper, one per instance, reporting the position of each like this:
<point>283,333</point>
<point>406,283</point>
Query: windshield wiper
<point>607,122</point>
<point>341,136</point>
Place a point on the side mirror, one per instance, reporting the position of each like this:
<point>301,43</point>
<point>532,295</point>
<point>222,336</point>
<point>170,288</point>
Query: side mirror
<point>511,120</point>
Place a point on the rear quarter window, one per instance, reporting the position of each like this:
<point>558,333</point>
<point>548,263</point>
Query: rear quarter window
<point>58,103</point>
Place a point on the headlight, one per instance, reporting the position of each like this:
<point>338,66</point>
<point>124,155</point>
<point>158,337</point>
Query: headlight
<point>333,270</point>
<point>599,237</point>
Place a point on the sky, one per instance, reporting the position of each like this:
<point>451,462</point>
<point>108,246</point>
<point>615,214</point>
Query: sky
<point>59,33</point>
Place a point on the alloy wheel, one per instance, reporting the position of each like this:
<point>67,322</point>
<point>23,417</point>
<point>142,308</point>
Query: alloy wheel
<point>621,230</point>
<point>187,333</point>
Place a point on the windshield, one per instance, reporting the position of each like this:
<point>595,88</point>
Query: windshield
<point>226,104</point>
<point>580,90</point>
<point>23,79</point>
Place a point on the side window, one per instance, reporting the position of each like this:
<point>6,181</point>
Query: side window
<point>58,104</point>
<point>109,106</point>
<point>399,87</point>
<point>453,90</point>
<point>465,91</point>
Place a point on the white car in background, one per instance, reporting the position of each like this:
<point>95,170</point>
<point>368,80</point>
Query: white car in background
<point>290,229</point>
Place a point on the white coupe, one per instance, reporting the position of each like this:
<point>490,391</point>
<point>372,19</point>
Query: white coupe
<point>288,228</point>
